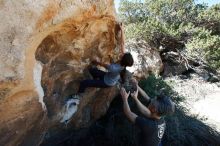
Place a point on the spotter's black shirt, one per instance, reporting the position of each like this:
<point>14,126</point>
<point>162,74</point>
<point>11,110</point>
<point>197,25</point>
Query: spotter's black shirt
<point>151,130</point>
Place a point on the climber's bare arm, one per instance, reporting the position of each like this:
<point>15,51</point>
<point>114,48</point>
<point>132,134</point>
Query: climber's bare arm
<point>129,114</point>
<point>96,61</point>
<point>143,93</point>
<point>140,90</point>
<point>143,109</point>
<point>102,64</point>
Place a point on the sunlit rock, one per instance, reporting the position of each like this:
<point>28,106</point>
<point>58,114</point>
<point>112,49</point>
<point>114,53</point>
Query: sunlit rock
<point>46,47</point>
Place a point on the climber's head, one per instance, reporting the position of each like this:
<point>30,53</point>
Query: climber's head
<point>127,60</point>
<point>161,105</point>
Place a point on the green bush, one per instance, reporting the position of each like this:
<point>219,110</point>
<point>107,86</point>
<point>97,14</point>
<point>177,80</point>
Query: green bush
<point>196,25</point>
<point>205,46</point>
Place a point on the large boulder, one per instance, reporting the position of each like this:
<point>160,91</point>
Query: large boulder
<point>45,47</point>
<point>146,58</point>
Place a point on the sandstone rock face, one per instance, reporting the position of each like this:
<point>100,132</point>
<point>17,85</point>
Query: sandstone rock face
<point>46,47</point>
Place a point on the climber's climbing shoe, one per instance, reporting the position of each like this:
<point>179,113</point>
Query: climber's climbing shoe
<point>69,109</point>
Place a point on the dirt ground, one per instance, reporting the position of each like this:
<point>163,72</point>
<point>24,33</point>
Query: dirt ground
<point>202,98</point>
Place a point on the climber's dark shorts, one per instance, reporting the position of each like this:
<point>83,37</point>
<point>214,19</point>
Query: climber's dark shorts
<point>98,80</point>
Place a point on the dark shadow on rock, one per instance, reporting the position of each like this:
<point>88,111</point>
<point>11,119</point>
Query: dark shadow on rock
<point>112,129</point>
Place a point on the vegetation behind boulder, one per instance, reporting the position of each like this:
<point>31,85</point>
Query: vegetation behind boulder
<point>187,35</point>
<point>176,25</point>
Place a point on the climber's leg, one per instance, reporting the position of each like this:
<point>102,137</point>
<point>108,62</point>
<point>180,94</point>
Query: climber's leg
<point>96,73</point>
<point>91,83</point>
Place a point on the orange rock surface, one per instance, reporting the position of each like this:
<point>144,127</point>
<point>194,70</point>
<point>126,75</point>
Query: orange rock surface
<point>50,47</point>
<point>46,47</point>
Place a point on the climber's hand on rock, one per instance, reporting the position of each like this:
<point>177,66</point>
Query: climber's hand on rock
<point>111,59</point>
<point>124,94</point>
<point>95,61</point>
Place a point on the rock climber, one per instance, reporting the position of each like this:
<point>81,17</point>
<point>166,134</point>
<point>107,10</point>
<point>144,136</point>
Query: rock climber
<point>102,79</point>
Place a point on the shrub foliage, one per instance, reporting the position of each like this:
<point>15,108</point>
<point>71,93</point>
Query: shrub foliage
<point>197,26</point>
